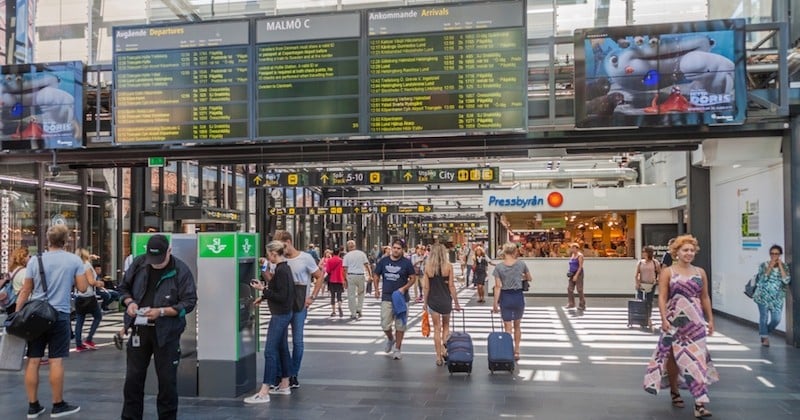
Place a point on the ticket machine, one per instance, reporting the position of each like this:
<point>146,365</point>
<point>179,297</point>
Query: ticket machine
<point>227,330</point>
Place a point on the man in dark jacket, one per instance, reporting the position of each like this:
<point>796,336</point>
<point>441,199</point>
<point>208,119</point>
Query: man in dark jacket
<point>158,291</point>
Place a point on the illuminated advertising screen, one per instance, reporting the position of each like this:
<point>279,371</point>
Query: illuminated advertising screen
<point>660,75</point>
<point>42,105</point>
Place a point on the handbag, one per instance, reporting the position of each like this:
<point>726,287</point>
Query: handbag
<point>570,273</point>
<point>85,304</point>
<point>426,325</point>
<point>750,286</point>
<point>526,285</point>
<point>36,317</point>
<point>647,287</point>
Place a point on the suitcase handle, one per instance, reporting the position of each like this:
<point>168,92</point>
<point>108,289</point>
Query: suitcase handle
<point>492,316</point>
<point>463,321</point>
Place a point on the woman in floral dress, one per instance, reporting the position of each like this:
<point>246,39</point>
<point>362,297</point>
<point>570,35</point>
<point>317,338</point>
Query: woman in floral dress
<point>681,357</point>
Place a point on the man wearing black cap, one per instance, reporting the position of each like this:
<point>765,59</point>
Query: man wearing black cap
<point>158,291</point>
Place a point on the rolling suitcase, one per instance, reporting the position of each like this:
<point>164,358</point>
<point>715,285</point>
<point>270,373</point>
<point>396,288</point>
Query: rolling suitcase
<point>638,311</point>
<point>500,349</point>
<point>459,349</point>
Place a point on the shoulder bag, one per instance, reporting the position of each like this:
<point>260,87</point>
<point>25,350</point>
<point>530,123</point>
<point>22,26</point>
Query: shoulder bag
<point>36,317</point>
<point>751,285</point>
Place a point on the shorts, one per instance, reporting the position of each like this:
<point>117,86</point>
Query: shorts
<point>512,304</point>
<point>387,316</point>
<point>336,287</point>
<point>56,339</point>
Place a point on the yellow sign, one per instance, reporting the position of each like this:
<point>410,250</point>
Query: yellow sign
<point>374,177</point>
<point>291,179</point>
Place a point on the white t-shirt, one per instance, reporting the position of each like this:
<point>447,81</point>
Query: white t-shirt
<point>90,277</point>
<point>354,262</point>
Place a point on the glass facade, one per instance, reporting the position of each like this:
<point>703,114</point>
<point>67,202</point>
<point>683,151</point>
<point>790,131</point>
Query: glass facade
<point>96,203</point>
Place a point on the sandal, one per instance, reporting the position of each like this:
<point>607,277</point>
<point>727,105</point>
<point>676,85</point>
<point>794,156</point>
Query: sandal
<point>700,411</point>
<point>677,401</point>
<point>439,362</point>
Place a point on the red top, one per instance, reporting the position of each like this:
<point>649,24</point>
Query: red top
<point>334,269</point>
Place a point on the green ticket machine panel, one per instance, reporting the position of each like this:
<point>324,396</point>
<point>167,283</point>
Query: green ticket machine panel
<point>227,333</point>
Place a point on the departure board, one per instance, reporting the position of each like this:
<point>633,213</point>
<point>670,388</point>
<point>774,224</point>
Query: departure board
<point>308,76</point>
<point>182,83</point>
<point>447,69</point>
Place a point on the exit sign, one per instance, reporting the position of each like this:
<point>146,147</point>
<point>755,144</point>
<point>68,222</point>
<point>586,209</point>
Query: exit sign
<point>156,162</point>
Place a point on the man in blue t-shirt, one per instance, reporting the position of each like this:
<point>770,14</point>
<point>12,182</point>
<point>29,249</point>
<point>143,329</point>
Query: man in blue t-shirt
<point>398,274</point>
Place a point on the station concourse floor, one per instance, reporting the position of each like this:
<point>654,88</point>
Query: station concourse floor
<point>573,366</point>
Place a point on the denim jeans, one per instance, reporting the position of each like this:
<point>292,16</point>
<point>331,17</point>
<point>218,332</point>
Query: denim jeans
<point>97,316</point>
<point>276,349</point>
<point>773,315</point>
<point>298,323</point>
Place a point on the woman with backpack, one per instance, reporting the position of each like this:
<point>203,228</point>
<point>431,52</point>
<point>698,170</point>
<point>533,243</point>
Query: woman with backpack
<point>9,289</point>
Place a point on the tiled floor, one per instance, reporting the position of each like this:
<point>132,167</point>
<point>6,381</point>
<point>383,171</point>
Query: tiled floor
<point>574,366</point>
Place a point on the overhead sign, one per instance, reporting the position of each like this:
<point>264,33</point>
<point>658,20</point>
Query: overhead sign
<point>321,211</point>
<point>488,175</point>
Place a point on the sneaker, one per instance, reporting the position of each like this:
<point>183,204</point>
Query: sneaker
<point>341,314</point>
<point>35,410</point>
<point>90,344</point>
<point>397,355</point>
<point>358,314</point>
<point>388,347</point>
<point>257,399</point>
<point>281,391</point>
<point>63,409</point>
<point>81,349</point>
<point>293,383</point>
<point>353,317</point>
<point>333,314</point>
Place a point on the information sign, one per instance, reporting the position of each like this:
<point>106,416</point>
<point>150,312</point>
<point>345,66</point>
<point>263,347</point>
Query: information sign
<point>375,177</point>
<point>307,75</point>
<point>182,83</point>
<point>446,68</point>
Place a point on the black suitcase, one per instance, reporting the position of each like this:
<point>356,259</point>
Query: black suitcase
<point>500,350</point>
<point>459,349</point>
<point>638,311</point>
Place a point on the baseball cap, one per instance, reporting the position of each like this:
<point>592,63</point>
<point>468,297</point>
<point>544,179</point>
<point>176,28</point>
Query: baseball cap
<point>157,247</point>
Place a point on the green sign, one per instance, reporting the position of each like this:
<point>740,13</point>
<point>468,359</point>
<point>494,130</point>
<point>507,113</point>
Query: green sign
<point>156,162</point>
<point>464,175</point>
<point>139,242</point>
<point>220,245</point>
<point>246,245</point>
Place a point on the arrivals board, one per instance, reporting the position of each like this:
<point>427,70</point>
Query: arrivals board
<point>448,69</point>
<point>308,76</point>
<point>433,70</point>
<point>182,83</point>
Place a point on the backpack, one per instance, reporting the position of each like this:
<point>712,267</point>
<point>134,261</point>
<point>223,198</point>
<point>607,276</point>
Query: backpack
<point>7,295</point>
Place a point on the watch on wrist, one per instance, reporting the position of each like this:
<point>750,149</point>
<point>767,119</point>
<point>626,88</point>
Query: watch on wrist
<point>161,312</point>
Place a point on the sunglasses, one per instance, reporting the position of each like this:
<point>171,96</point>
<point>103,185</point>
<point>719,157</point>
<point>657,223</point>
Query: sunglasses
<point>774,253</point>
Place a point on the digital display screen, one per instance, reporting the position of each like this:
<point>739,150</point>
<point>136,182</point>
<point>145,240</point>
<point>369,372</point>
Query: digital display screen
<point>42,105</point>
<point>448,69</point>
<point>452,69</point>
<point>182,83</point>
<point>308,76</point>
<point>660,75</point>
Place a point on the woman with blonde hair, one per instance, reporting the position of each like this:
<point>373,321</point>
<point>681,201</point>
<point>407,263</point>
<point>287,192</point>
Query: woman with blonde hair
<point>508,297</point>
<point>96,313</point>
<point>439,295</point>
<point>682,354</point>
